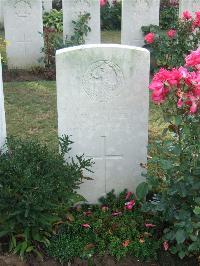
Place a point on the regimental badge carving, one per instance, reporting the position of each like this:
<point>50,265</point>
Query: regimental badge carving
<point>83,2</point>
<point>103,81</point>
<point>143,3</point>
<point>22,8</point>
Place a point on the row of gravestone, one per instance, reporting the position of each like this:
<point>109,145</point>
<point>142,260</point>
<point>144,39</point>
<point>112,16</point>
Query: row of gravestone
<point>102,102</point>
<point>23,24</point>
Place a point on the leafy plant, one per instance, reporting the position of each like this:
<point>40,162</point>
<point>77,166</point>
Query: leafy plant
<point>111,15</point>
<point>53,41</point>
<point>81,30</point>
<point>53,20</point>
<point>36,189</point>
<point>169,10</point>
<point>169,48</point>
<point>176,201</point>
<point>116,227</point>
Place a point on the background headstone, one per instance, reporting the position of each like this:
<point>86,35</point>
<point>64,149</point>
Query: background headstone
<point>73,8</point>
<point>135,14</point>
<point>2,112</point>
<point>23,25</point>
<point>47,5</point>
<point>102,101</point>
<point>190,5</point>
<point>1,14</point>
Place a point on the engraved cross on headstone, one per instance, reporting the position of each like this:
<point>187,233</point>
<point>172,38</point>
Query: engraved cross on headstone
<point>105,157</point>
<point>25,42</point>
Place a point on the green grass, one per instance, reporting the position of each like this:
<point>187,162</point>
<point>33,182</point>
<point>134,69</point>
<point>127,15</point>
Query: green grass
<point>111,37</point>
<point>31,110</point>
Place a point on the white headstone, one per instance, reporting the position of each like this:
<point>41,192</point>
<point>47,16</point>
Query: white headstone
<point>102,101</point>
<point>1,14</point>
<point>73,8</point>
<point>135,14</point>
<point>47,5</point>
<point>23,25</point>
<point>189,5</point>
<point>2,113</point>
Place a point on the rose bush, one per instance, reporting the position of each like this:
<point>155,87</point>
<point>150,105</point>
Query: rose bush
<point>170,47</point>
<point>176,201</point>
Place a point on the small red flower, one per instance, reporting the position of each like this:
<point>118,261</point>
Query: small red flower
<point>128,194</point>
<point>86,225</point>
<point>165,245</point>
<point>87,213</point>
<point>126,243</point>
<point>150,225</point>
<point>129,205</point>
<point>116,213</point>
<point>186,15</point>
<point>171,33</point>
<point>149,38</point>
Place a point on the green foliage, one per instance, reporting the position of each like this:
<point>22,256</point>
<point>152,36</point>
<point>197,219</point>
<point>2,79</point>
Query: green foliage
<point>170,52</point>
<point>111,16</point>
<point>81,30</point>
<point>53,20</point>
<point>53,39</point>
<point>177,199</point>
<point>106,229</point>
<point>168,14</point>
<point>36,189</point>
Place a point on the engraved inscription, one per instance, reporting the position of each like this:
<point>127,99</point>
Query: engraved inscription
<point>143,3</point>
<point>103,81</point>
<point>82,2</point>
<point>22,8</point>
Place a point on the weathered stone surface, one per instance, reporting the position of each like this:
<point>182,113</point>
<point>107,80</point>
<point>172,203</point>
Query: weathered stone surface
<point>1,14</point>
<point>47,5</point>
<point>102,101</point>
<point>23,25</point>
<point>135,14</point>
<point>73,8</point>
<point>2,112</point>
<point>190,5</point>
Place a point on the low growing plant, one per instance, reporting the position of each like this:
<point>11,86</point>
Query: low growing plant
<point>53,40</point>
<point>170,47</point>
<point>111,15</point>
<point>176,202</point>
<point>36,189</point>
<point>53,20</point>
<point>169,10</point>
<point>117,227</point>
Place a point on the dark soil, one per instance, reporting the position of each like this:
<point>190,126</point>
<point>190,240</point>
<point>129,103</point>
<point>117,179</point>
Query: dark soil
<point>165,259</point>
<point>31,75</point>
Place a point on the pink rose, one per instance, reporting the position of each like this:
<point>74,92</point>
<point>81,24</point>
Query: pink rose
<point>129,205</point>
<point>180,103</point>
<point>193,59</point>
<point>165,245</point>
<point>149,38</point>
<point>171,33</point>
<point>103,2</point>
<point>186,15</point>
